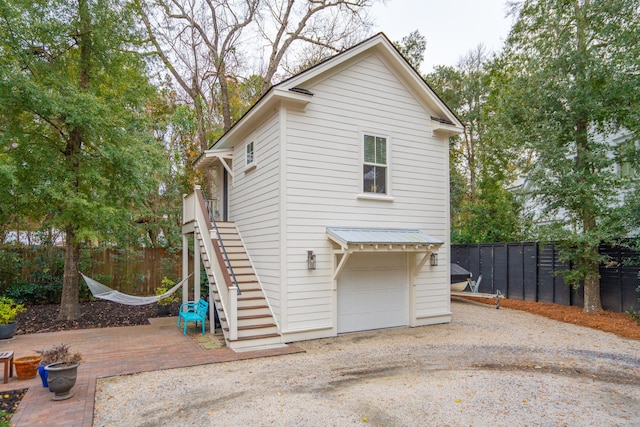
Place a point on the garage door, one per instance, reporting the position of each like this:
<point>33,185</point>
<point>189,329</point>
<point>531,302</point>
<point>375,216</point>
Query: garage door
<point>373,292</point>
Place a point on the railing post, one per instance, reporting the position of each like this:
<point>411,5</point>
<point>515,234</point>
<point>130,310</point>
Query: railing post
<point>185,267</point>
<point>232,319</point>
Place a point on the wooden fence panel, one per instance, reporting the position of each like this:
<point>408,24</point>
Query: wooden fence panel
<point>136,272</point>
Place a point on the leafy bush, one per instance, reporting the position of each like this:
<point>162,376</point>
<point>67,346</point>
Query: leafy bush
<point>9,310</point>
<point>34,294</point>
<point>635,314</point>
<point>167,284</point>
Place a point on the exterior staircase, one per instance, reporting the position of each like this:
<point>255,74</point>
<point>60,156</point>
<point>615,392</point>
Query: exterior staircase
<point>255,324</point>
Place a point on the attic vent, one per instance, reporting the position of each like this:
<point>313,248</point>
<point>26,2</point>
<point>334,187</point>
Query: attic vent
<point>301,90</point>
<point>443,121</point>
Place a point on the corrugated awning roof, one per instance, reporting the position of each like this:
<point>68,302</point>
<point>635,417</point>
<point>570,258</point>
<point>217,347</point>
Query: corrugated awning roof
<point>380,236</point>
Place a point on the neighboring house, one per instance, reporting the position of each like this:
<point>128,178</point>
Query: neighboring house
<point>622,150</point>
<point>332,204</point>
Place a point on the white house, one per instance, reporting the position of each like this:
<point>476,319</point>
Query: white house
<point>333,195</point>
<point>621,150</point>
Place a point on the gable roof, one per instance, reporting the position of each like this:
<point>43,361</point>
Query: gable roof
<point>293,91</point>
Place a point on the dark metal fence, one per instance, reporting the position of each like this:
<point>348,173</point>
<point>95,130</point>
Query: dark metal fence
<point>529,271</point>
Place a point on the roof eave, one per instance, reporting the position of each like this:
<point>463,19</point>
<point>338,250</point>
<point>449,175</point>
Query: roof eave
<point>274,97</point>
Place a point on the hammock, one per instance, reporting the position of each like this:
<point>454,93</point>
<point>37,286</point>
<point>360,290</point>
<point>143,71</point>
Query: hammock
<point>104,292</point>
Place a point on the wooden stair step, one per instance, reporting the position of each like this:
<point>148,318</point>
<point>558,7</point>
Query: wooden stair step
<point>244,299</point>
<point>251,327</point>
<point>256,316</point>
<point>256,337</point>
<point>253,307</point>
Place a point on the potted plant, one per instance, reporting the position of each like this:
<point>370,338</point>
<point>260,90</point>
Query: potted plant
<point>61,368</point>
<point>26,366</point>
<point>165,303</point>
<point>8,312</point>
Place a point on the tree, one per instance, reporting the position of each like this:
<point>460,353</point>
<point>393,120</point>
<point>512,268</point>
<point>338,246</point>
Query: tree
<point>207,46</point>
<point>73,92</point>
<point>412,47</point>
<point>481,161</point>
<point>572,80</point>
<point>314,29</point>
<point>198,41</point>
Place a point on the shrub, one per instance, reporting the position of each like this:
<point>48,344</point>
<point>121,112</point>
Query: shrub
<point>165,285</point>
<point>9,310</point>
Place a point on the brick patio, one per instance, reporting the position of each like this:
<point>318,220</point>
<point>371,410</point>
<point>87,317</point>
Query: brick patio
<point>107,352</point>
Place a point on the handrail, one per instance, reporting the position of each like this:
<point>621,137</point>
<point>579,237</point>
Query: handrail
<point>211,224</point>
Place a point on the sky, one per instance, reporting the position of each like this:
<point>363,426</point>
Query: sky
<point>452,27</point>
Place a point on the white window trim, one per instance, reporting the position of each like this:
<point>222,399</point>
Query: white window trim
<point>248,166</point>
<point>388,196</point>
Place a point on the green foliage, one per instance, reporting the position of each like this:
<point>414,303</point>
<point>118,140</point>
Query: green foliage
<point>97,183</point>
<point>495,215</point>
<point>34,294</point>
<point>412,48</point>
<point>9,310</point>
<point>165,285</point>
<point>482,210</point>
<point>635,314</point>
<point>5,419</point>
<point>74,93</point>
<point>570,80</point>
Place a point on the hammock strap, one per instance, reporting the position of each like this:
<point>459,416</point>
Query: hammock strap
<point>104,292</point>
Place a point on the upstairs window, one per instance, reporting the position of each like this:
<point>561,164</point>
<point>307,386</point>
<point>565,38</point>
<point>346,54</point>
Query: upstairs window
<point>250,157</point>
<point>375,168</point>
<point>627,159</point>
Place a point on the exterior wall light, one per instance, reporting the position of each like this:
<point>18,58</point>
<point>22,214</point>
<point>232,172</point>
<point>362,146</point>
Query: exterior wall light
<point>433,259</point>
<point>311,260</point>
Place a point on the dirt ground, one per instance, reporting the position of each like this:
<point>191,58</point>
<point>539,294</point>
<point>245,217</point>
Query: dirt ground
<point>102,314</point>
<point>620,324</point>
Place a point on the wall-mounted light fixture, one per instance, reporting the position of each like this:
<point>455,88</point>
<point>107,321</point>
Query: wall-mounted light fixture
<point>433,259</point>
<point>311,260</point>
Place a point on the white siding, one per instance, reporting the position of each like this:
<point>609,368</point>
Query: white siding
<point>324,178</point>
<point>254,205</point>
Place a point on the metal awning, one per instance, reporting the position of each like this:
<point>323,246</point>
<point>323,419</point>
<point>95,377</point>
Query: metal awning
<point>351,240</point>
<point>381,236</point>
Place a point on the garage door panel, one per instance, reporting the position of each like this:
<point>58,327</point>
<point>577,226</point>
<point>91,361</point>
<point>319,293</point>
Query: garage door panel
<point>371,297</point>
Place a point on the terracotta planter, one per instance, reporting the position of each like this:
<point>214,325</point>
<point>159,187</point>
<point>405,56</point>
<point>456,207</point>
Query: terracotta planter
<point>61,378</point>
<point>27,366</point>
<point>7,331</point>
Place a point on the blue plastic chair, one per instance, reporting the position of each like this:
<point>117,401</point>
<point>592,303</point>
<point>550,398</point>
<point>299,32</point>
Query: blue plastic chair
<point>195,312</point>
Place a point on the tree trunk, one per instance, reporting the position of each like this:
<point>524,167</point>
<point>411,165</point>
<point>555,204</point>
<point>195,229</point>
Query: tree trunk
<point>592,300</point>
<point>69,305</point>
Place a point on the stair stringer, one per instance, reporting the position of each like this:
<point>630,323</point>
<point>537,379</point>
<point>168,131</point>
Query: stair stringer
<point>256,323</point>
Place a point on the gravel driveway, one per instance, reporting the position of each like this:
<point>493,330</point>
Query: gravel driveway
<point>487,368</point>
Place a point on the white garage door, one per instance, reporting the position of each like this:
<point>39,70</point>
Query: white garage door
<point>373,292</point>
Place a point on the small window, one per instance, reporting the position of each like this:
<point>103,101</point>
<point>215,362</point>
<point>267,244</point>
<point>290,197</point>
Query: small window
<point>375,168</point>
<point>626,158</point>
<point>250,154</point>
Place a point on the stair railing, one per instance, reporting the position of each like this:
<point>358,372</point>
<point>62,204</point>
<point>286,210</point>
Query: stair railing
<point>225,255</point>
<point>226,288</point>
